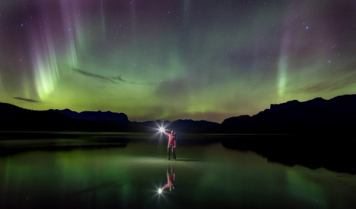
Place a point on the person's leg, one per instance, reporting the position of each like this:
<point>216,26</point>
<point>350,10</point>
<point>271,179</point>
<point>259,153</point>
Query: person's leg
<point>169,153</point>
<point>174,153</point>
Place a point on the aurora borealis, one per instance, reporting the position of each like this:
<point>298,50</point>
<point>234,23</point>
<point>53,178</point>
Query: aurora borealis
<point>170,59</point>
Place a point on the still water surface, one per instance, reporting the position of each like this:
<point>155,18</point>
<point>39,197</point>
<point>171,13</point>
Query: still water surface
<point>209,176</point>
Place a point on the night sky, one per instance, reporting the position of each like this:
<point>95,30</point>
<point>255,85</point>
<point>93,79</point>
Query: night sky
<point>170,59</point>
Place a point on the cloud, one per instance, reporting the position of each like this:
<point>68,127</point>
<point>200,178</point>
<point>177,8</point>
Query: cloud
<point>331,85</point>
<point>111,79</point>
<point>27,99</point>
<point>119,78</point>
<point>94,75</point>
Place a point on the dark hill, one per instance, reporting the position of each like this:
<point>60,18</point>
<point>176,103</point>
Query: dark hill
<point>19,119</point>
<point>314,116</point>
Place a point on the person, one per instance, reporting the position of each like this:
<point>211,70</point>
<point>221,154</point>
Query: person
<point>171,146</point>
<point>171,177</point>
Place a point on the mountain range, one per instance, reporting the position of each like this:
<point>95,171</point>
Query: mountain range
<point>314,116</point>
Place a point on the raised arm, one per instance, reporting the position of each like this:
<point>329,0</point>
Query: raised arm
<point>166,133</point>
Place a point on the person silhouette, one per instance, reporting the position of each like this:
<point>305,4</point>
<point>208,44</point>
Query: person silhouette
<point>172,144</point>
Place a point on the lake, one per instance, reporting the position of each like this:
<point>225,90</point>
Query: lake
<point>204,176</point>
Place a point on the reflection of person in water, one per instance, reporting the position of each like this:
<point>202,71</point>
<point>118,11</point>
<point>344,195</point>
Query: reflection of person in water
<point>171,147</point>
<point>171,177</point>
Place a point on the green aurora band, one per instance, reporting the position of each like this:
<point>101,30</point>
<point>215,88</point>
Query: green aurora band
<point>170,59</point>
